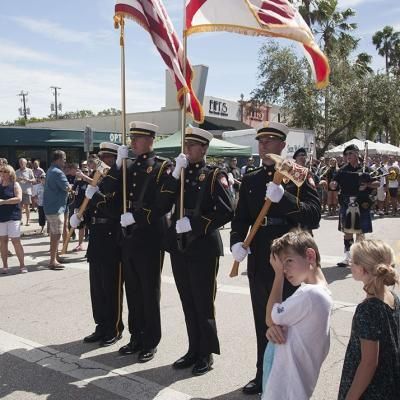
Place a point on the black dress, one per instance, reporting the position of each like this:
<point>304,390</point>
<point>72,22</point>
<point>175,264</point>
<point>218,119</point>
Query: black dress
<point>375,320</point>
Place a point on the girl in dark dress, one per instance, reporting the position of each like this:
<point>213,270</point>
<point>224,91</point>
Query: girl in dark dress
<point>371,369</point>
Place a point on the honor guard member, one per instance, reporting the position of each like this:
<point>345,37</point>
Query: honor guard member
<point>104,254</point>
<point>291,207</point>
<point>144,226</point>
<point>355,184</point>
<point>195,244</point>
<point>300,156</point>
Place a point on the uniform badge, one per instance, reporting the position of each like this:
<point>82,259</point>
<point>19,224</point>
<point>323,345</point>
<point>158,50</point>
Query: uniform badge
<point>149,169</point>
<point>202,177</point>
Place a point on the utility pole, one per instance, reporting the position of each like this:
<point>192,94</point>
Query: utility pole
<point>241,106</point>
<point>55,99</point>
<point>23,110</point>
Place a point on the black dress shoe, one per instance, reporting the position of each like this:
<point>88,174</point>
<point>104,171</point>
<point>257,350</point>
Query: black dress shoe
<point>186,361</point>
<point>130,348</point>
<point>253,387</point>
<point>94,337</point>
<point>109,340</point>
<point>147,355</point>
<point>203,365</point>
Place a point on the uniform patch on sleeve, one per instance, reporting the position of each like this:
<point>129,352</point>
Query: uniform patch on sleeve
<point>224,182</point>
<point>280,309</point>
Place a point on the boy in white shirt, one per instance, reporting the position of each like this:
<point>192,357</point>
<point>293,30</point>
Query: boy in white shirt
<point>37,193</point>
<point>299,327</point>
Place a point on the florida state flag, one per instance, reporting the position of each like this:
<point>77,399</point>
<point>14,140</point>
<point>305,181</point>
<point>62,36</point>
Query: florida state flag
<point>276,18</point>
<point>152,16</point>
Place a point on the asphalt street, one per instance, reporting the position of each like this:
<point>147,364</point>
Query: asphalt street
<point>45,314</point>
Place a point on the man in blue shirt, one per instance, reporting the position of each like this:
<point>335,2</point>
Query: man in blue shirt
<point>55,202</point>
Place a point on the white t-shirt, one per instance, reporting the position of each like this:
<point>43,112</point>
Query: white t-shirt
<point>297,363</point>
<point>38,190</point>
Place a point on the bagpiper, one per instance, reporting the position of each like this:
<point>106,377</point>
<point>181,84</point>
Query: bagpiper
<point>355,184</point>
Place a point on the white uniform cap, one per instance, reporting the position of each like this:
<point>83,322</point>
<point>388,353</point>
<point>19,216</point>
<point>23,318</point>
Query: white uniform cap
<point>272,129</point>
<point>108,148</point>
<point>198,135</point>
<point>143,128</point>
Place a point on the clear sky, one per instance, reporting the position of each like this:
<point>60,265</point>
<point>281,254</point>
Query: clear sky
<point>73,45</point>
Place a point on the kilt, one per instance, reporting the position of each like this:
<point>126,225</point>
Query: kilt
<point>365,219</point>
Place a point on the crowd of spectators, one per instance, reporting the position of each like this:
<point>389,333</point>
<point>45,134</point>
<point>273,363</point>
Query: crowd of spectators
<point>58,194</point>
<point>54,196</point>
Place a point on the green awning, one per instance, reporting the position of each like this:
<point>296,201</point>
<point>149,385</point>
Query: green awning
<point>171,147</point>
<point>20,136</point>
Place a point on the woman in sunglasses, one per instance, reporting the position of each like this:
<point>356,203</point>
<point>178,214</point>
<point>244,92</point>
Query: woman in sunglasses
<point>10,216</point>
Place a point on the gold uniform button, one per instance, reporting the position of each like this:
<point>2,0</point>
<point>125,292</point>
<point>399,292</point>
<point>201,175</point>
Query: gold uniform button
<point>187,181</point>
<point>197,165</point>
<point>134,185</point>
<point>144,156</point>
<point>190,171</point>
<point>138,163</point>
<point>269,173</point>
<point>134,174</point>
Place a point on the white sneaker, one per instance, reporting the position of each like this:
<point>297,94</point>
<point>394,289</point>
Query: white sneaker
<point>346,260</point>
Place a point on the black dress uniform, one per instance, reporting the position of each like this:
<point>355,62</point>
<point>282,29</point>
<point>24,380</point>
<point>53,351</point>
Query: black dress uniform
<point>143,253</point>
<point>208,205</point>
<point>104,256</point>
<point>298,207</point>
<point>355,204</point>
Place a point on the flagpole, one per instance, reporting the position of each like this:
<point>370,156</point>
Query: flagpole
<point>119,22</point>
<point>183,115</point>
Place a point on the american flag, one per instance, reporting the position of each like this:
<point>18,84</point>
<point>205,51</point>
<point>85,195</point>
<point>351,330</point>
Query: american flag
<point>275,18</point>
<point>153,17</point>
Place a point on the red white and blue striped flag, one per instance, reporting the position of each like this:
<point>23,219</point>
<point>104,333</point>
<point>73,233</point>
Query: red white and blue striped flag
<point>152,16</point>
<point>276,18</point>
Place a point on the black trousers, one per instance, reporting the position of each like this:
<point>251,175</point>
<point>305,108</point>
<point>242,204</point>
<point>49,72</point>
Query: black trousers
<point>42,217</point>
<point>195,277</point>
<point>142,274</point>
<point>261,278</point>
<point>106,293</point>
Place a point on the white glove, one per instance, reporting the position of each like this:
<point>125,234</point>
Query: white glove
<point>183,225</point>
<point>90,191</point>
<point>122,154</point>
<point>74,221</point>
<point>127,219</point>
<point>181,162</point>
<point>239,253</point>
<point>274,192</point>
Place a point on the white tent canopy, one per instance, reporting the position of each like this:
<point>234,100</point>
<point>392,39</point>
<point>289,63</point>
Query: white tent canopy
<point>373,148</point>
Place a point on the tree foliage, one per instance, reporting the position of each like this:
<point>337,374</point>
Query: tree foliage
<point>356,101</point>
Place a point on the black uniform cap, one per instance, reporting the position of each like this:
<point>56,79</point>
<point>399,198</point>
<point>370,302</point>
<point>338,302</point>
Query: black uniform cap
<point>351,147</point>
<point>299,151</point>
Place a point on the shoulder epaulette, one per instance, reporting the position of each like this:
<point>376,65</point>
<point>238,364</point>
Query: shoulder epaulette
<point>253,171</point>
<point>162,158</point>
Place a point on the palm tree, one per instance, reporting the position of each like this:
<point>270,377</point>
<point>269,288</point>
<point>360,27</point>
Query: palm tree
<point>362,64</point>
<point>386,42</point>
<point>334,28</point>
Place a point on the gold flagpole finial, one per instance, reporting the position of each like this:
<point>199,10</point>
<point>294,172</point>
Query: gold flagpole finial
<point>119,23</point>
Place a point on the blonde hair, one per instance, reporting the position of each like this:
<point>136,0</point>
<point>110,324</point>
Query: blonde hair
<point>11,172</point>
<point>298,241</point>
<point>377,259</point>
